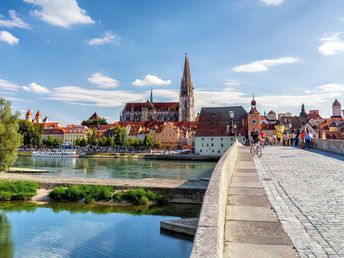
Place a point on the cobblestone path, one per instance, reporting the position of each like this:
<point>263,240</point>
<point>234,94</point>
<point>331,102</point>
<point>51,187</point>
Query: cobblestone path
<point>306,190</point>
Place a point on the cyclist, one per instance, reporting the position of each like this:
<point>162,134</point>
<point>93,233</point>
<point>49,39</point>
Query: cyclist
<point>255,137</point>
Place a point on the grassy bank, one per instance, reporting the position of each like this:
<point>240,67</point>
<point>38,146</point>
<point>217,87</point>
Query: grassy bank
<point>13,190</point>
<point>90,194</point>
<point>25,153</point>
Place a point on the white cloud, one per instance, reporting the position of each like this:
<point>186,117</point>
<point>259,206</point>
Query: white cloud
<point>102,98</point>
<point>103,81</point>
<point>7,37</point>
<point>36,88</point>
<point>15,21</point>
<point>151,80</point>
<point>272,2</point>
<point>108,37</point>
<point>64,13</point>
<point>263,65</point>
<point>231,82</point>
<point>6,85</point>
<point>331,45</point>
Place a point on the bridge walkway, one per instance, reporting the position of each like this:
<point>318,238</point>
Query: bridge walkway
<point>251,227</point>
<point>306,189</point>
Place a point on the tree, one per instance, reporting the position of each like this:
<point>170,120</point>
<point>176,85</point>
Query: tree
<point>94,122</point>
<point>119,134</point>
<point>31,132</point>
<point>92,136</point>
<point>148,142</point>
<point>10,139</point>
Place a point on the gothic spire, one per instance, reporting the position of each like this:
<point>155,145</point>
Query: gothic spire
<point>186,74</point>
<point>151,96</point>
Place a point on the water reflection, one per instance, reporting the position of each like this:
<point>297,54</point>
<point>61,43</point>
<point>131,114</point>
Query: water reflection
<point>77,230</point>
<point>6,246</point>
<point>119,168</point>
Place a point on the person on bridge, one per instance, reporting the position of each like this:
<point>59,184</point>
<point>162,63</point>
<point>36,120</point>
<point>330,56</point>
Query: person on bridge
<point>255,137</point>
<point>279,137</point>
<point>308,139</point>
<point>303,137</point>
<point>297,137</point>
<point>262,138</point>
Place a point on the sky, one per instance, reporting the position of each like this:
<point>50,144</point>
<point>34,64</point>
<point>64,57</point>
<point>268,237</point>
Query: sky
<point>71,58</point>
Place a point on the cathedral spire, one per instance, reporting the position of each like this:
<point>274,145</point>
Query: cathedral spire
<point>186,96</point>
<point>151,96</point>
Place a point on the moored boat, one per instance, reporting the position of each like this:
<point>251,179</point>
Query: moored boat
<point>56,153</point>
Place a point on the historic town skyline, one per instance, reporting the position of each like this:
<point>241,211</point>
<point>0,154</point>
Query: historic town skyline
<point>104,55</point>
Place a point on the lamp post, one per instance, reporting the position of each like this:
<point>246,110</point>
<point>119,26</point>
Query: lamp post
<point>231,116</point>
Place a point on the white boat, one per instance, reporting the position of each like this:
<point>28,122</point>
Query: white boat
<point>56,154</point>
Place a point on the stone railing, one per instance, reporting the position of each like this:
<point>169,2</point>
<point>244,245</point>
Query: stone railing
<point>336,146</point>
<point>209,238</point>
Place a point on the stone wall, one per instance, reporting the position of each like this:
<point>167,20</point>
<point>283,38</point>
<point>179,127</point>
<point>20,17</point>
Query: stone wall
<point>336,146</point>
<point>209,238</point>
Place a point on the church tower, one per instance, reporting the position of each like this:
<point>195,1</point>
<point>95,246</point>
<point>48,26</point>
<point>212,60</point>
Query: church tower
<point>253,118</point>
<point>186,96</point>
<point>336,109</point>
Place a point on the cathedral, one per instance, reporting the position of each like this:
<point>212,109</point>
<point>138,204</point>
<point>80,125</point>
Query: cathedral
<point>182,111</point>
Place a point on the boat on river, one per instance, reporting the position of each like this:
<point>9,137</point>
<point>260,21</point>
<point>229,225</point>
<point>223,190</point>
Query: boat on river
<point>63,153</point>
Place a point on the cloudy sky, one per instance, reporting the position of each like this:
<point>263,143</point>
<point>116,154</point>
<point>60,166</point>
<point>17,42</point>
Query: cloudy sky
<point>69,58</point>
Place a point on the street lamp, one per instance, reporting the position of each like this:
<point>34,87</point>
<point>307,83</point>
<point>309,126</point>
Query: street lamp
<point>231,116</point>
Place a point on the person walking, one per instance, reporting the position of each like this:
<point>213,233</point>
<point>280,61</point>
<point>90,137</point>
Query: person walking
<point>308,139</point>
<point>297,137</point>
<point>303,137</point>
<point>274,139</point>
<point>279,138</point>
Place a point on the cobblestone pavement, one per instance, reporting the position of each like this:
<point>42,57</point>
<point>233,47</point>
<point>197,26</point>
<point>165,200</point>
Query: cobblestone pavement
<point>306,190</point>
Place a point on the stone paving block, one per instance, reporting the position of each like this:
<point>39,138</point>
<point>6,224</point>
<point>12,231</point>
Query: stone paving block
<point>247,184</point>
<point>237,178</point>
<point>245,170</point>
<point>248,191</point>
<point>240,250</point>
<point>249,200</point>
<point>254,232</point>
<point>250,213</point>
<point>245,174</point>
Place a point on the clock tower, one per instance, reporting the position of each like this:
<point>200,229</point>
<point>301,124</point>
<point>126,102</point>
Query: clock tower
<point>253,118</point>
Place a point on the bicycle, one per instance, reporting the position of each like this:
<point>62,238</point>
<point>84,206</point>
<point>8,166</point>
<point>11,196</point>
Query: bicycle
<point>256,149</point>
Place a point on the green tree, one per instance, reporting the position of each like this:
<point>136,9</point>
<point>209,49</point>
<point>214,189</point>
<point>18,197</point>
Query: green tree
<point>109,142</point>
<point>119,133</point>
<point>148,142</point>
<point>92,136</point>
<point>94,122</point>
<point>10,138</point>
<point>32,133</point>
<point>83,142</point>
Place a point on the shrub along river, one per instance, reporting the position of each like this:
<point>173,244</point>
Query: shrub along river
<point>119,168</point>
<point>78,230</point>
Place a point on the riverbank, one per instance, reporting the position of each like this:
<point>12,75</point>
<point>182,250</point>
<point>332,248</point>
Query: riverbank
<point>176,190</point>
<point>140,155</point>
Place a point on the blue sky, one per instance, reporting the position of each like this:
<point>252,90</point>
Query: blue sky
<point>69,58</point>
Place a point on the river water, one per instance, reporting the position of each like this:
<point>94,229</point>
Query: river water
<point>78,230</point>
<point>119,168</point>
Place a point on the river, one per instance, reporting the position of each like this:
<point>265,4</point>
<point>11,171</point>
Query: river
<point>119,168</point>
<point>78,230</point>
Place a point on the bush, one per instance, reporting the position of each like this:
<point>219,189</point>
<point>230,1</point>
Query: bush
<point>90,194</point>
<point>12,190</point>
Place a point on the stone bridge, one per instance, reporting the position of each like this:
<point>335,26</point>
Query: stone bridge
<point>288,203</point>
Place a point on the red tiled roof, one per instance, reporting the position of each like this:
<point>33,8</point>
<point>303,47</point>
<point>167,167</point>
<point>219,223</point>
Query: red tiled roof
<point>137,107</point>
<point>95,116</point>
<point>214,121</point>
<point>53,131</point>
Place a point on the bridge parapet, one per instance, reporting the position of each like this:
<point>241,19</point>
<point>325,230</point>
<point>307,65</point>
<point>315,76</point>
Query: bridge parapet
<point>336,146</point>
<point>209,238</point>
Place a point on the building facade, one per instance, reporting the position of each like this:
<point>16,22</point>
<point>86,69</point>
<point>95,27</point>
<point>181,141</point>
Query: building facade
<point>184,110</point>
<point>216,131</point>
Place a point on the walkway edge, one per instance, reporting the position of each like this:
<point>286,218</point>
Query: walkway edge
<point>209,239</point>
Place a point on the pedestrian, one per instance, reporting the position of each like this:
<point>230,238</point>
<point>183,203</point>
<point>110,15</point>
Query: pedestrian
<point>274,139</point>
<point>297,137</point>
<point>308,139</point>
<point>279,137</point>
<point>303,137</point>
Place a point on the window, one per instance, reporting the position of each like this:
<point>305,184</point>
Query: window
<point>212,145</point>
<point>221,139</point>
<point>221,144</point>
<point>202,139</point>
<point>218,151</point>
<point>200,150</point>
<point>212,139</point>
<point>212,151</point>
<point>207,145</point>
